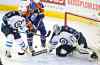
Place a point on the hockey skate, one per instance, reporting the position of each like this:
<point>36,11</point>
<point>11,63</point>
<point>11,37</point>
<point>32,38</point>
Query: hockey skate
<point>22,51</point>
<point>31,50</point>
<point>94,55</point>
<point>8,54</point>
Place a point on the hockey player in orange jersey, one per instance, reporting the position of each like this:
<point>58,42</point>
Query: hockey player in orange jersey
<point>36,14</point>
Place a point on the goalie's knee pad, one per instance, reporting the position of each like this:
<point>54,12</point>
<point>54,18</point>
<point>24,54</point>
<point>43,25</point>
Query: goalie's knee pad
<point>67,48</point>
<point>82,40</point>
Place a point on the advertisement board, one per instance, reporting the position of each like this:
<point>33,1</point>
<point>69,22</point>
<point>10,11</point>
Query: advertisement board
<point>79,7</point>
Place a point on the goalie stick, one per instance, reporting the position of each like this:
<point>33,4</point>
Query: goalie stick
<point>39,52</point>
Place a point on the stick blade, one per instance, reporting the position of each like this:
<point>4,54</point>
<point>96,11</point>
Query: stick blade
<point>49,32</point>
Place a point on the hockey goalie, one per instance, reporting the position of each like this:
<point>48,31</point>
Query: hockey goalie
<point>69,40</point>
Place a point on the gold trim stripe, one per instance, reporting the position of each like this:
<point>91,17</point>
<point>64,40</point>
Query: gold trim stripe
<point>8,7</point>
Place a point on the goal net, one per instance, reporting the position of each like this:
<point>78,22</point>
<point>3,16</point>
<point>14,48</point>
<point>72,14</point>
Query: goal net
<point>89,27</point>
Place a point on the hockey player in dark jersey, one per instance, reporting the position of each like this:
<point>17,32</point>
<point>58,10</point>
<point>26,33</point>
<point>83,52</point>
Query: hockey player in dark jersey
<point>36,15</point>
<point>12,23</point>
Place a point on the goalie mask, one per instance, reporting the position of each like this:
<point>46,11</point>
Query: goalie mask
<point>56,29</point>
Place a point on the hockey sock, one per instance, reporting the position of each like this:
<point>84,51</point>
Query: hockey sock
<point>8,50</point>
<point>9,42</point>
<point>43,41</point>
<point>21,46</point>
<point>30,41</point>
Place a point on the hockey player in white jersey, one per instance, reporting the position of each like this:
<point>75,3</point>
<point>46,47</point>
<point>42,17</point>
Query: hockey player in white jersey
<point>78,35</point>
<point>69,39</point>
<point>12,23</point>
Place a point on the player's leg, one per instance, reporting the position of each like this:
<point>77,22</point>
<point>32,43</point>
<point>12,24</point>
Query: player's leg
<point>20,43</point>
<point>42,30</point>
<point>9,38</point>
<point>30,41</point>
<point>8,44</point>
<point>40,26</point>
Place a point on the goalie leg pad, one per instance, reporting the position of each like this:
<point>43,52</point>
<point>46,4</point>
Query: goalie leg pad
<point>68,49</point>
<point>40,52</point>
<point>82,40</point>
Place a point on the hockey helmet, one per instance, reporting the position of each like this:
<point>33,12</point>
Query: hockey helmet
<point>23,10</point>
<point>56,28</point>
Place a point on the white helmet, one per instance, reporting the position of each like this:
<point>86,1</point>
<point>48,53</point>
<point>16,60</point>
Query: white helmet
<point>56,28</point>
<point>22,10</point>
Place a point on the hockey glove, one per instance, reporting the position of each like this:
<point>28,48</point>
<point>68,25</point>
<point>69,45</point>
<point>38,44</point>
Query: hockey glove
<point>31,27</point>
<point>6,29</point>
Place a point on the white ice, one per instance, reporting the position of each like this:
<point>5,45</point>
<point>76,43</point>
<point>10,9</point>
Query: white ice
<point>92,34</point>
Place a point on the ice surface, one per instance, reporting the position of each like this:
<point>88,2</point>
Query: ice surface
<point>90,33</point>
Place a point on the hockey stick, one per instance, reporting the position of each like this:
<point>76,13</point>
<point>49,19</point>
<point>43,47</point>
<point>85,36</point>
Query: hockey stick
<point>48,34</point>
<point>39,52</point>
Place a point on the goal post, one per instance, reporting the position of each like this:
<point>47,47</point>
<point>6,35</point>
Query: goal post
<point>88,26</point>
<point>72,17</point>
<point>65,19</point>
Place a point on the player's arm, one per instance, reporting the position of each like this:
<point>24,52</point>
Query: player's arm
<point>40,6</point>
<point>52,37</point>
<point>30,26</point>
<point>9,15</point>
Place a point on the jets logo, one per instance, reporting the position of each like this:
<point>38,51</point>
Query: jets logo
<point>18,24</point>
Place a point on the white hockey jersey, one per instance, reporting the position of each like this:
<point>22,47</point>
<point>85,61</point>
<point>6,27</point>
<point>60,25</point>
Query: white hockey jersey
<point>63,38</point>
<point>17,21</point>
<point>14,20</point>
